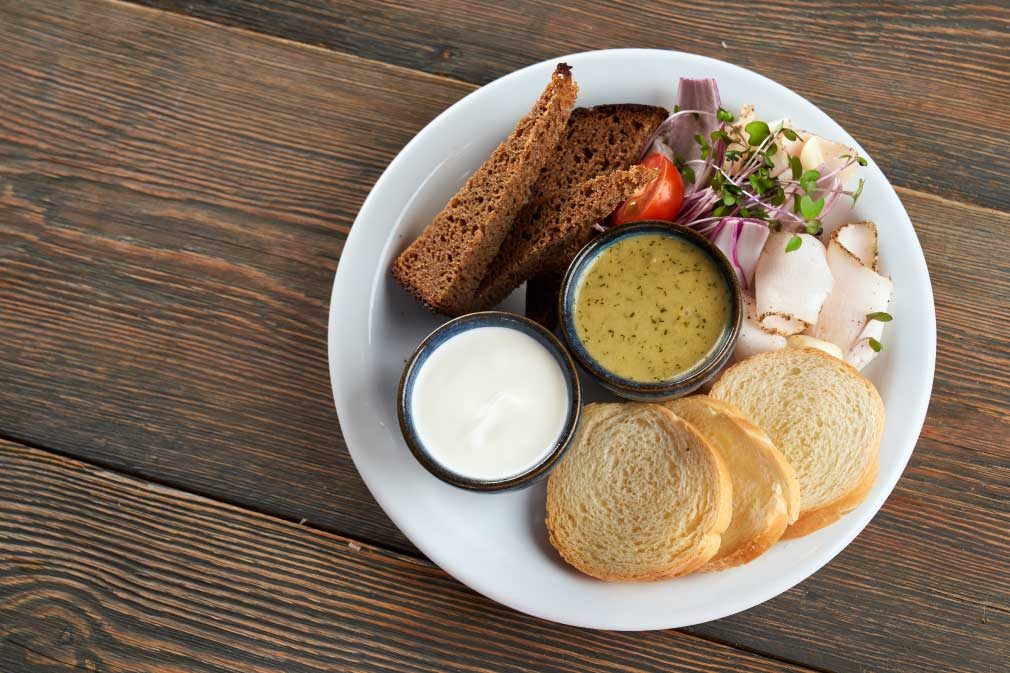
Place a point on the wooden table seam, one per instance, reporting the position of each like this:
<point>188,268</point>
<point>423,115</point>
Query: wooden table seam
<point>423,73</point>
<point>297,43</point>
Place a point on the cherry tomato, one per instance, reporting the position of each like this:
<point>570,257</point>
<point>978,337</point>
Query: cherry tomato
<point>659,200</point>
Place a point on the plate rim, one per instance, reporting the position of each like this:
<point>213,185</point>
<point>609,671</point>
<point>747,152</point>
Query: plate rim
<point>721,609</point>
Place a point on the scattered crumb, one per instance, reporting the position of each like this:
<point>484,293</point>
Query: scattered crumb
<point>301,522</point>
<point>354,546</point>
<point>724,44</point>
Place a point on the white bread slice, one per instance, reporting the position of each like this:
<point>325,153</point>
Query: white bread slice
<point>640,495</point>
<point>766,495</point>
<point>823,415</point>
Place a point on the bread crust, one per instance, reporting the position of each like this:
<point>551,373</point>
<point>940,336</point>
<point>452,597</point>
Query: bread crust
<point>557,231</point>
<point>778,511</point>
<point>816,519</point>
<point>716,520</point>
<point>444,266</point>
<point>587,176</point>
<point>792,495</point>
<point>824,514</point>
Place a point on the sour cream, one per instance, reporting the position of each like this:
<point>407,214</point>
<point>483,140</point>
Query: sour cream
<point>489,403</point>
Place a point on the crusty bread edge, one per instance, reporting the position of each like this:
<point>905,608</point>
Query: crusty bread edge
<point>712,539</point>
<point>826,514</point>
<point>554,93</point>
<point>776,525</point>
<point>792,497</point>
<point>701,553</point>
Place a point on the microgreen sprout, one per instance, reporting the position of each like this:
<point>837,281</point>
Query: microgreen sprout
<point>859,190</point>
<point>796,167</point>
<point>684,169</point>
<point>703,144</point>
<point>745,176</point>
<point>858,159</point>
<point>809,208</point>
<point>808,180</point>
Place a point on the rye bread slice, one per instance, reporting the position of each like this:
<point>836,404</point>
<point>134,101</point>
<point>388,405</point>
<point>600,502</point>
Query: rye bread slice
<point>445,265</point>
<point>606,137</point>
<point>598,139</point>
<point>557,229</point>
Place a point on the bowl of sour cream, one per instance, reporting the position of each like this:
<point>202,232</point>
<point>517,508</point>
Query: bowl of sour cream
<point>489,401</point>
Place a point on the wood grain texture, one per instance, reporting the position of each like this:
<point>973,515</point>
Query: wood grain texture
<point>172,206</point>
<point>921,85</point>
<point>103,573</point>
<point>173,200</point>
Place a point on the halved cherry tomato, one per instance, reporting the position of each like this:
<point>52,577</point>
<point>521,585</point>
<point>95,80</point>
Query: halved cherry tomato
<point>659,200</point>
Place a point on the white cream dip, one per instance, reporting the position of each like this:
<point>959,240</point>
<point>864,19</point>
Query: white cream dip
<point>489,403</point>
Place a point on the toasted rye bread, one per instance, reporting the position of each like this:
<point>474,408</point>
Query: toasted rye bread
<point>640,495</point>
<point>823,415</point>
<point>557,230</point>
<point>597,140</point>
<point>766,495</point>
<point>446,263</point>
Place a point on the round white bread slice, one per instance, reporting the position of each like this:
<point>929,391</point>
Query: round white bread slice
<point>640,495</point>
<point>823,415</point>
<point>766,495</point>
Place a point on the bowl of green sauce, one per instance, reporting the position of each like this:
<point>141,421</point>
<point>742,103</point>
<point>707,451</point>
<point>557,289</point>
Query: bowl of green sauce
<point>651,309</point>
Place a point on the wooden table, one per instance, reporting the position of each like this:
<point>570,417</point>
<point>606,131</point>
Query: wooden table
<point>177,179</point>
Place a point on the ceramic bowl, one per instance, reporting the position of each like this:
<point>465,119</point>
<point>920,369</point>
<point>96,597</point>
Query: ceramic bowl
<point>683,383</point>
<point>450,329</point>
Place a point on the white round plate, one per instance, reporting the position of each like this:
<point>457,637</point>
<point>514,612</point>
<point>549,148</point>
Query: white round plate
<point>497,543</point>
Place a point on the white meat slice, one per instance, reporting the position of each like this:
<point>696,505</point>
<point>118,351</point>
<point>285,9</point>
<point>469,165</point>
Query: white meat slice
<point>860,239</point>
<point>753,340</point>
<point>858,291</point>
<point>790,287</point>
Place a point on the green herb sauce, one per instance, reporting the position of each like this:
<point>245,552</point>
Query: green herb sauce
<point>651,307</point>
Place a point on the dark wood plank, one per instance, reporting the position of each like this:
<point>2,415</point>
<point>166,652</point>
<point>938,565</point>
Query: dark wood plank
<point>163,307</point>
<point>172,207</point>
<point>920,85</point>
<point>102,573</point>
<point>969,267</point>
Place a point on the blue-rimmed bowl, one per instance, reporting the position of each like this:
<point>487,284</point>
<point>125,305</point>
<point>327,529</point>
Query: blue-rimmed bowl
<point>450,329</point>
<point>683,383</point>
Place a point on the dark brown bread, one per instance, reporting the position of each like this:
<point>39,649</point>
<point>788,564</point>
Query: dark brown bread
<point>445,265</point>
<point>557,229</point>
<point>597,140</point>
